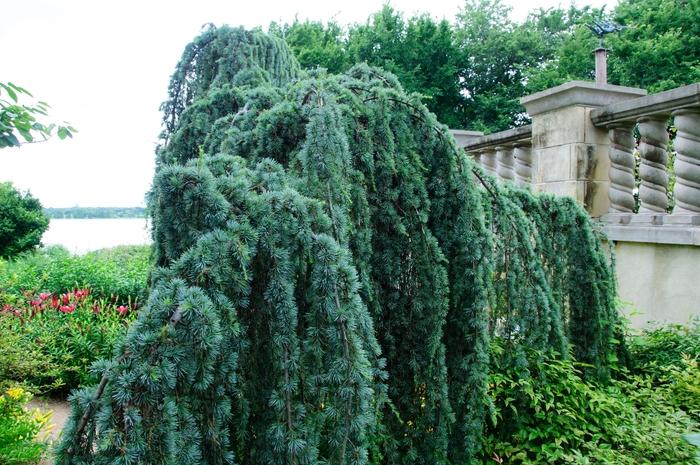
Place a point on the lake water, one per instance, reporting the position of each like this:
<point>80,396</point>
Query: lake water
<point>83,235</point>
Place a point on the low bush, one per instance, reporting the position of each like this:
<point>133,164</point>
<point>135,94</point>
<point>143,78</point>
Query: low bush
<point>19,429</point>
<point>119,274</point>
<point>22,363</point>
<point>63,335</point>
<point>655,350</point>
<point>552,415</point>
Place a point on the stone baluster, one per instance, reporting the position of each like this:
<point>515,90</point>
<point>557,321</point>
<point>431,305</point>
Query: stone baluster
<point>522,153</point>
<point>488,160</point>
<point>687,163</point>
<point>652,148</point>
<point>505,162</point>
<point>621,170</point>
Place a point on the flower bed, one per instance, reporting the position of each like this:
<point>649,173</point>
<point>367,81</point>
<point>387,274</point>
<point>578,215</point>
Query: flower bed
<point>67,332</point>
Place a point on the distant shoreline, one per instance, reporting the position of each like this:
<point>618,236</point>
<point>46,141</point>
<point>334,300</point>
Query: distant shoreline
<point>95,212</point>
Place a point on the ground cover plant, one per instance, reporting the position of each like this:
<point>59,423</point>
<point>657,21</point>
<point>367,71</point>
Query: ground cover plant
<point>331,271</point>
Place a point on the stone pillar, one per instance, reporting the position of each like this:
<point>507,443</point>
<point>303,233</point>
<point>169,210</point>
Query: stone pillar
<point>505,162</point>
<point>621,171</point>
<point>569,153</point>
<point>523,165</point>
<point>687,164</point>
<point>652,170</point>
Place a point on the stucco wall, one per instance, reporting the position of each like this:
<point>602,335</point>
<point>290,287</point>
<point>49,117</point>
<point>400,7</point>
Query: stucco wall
<point>658,282</point>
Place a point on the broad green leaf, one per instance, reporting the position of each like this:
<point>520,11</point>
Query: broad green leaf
<point>10,91</point>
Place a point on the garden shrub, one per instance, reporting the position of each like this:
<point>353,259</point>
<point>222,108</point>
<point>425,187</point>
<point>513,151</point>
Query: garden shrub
<point>551,414</point>
<point>119,274</point>
<point>19,429</point>
<point>21,361</point>
<point>659,348</point>
<point>63,334</point>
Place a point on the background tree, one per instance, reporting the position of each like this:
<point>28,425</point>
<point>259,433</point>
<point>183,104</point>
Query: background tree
<point>316,44</point>
<point>660,49</point>
<point>22,221</point>
<point>420,51</point>
<point>473,71</point>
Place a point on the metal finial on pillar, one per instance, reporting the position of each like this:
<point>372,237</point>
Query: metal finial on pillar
<point>600,28</point>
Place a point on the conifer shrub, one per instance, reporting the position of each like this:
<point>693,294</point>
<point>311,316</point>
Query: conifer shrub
<point>330,273</point>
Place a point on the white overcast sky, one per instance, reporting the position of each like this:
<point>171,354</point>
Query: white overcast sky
<point>104,66</point>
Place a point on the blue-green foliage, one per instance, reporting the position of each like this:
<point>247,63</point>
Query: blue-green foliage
<point>331,274</point>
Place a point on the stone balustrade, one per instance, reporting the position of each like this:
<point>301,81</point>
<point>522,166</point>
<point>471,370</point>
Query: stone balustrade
<point>506,155</point>
<point>653,115</point>
<point>582,144</point>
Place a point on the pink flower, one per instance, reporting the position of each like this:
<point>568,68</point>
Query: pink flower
<point>80,293</point>
<point>35,303</point>
<point>67,308</point>
<point>65,298</point>
<point>122,309</point>
<point>54,301</point>
<point>96,309</point>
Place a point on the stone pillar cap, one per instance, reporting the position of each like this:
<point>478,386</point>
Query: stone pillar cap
<point>578,93</point>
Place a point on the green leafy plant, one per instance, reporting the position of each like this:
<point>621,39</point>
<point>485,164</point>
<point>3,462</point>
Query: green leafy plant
<point>657,349</point>
<point>119,274</point>
<point>551,414</point>
<point>19,429</point>
<point>21,119</point>
<point>22,363</point>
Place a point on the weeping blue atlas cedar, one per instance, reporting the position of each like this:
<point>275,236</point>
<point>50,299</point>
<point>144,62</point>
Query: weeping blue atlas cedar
<point>330,273</point>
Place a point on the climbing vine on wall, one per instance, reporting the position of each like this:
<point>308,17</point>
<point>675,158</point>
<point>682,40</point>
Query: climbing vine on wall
<point>330,273</point>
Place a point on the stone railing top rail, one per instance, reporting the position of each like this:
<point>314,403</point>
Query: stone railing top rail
<point>661,104</point>
<point>462,136</point>
<point>508,136</point>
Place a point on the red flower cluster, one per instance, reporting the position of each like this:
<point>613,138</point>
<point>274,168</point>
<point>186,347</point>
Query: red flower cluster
<point>7,308</point>
<point>123,309</point>
<point>64,303</point>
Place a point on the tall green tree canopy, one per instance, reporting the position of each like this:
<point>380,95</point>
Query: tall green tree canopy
<point>331,271</point>
<point>472,71</point>
<point>420,51</point>
<point>22,221</point>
